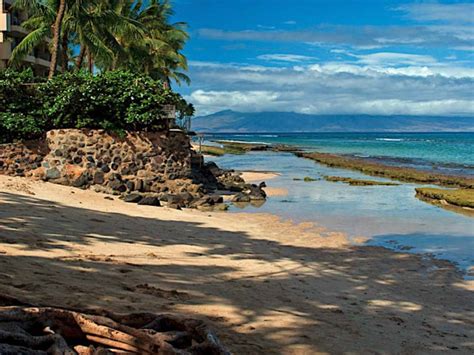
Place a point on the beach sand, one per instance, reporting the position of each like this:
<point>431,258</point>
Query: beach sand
<point>266,286</point>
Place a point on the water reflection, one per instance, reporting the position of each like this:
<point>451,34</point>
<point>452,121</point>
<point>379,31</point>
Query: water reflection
<point>379,212</point>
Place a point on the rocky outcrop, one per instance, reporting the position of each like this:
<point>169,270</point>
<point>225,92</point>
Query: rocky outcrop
<point>143,167</point>
<point>250,192</point>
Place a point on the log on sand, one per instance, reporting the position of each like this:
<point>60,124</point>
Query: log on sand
<point>53,331</point>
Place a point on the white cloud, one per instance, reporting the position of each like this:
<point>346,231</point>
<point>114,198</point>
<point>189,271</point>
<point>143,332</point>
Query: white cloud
<point>290,22</point>
<point>454,13</point>
<point>369,84</point>
<point>212,101</point>
<point>395,59</point>
<point>362,37</point>
<point>291,58</point>
<point>208,102</point>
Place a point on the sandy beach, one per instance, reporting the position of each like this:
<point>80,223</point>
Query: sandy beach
<point>265,285</point>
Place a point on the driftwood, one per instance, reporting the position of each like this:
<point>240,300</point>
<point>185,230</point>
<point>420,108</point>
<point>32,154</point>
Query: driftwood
<point>53,331</point>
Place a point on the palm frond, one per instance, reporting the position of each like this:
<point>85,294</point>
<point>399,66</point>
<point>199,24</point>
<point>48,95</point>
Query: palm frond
<point>28,44</point>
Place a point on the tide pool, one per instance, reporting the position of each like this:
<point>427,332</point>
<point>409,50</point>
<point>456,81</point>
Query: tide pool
<point>389,216</point>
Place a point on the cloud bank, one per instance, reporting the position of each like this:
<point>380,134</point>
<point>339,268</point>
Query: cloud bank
<point>420,86</point>
<point>419,65</point>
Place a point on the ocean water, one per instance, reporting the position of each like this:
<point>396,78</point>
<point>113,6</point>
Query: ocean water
<point>390,216</point>
<point>444,152</point>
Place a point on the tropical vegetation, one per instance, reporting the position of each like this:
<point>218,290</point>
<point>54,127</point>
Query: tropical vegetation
<point>104,35</point>
<point>112,64</point>
<point>114,100</point>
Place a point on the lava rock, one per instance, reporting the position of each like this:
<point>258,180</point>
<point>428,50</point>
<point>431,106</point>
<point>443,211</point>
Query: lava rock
<point>255,192</point>
<point>214,169</point>
<point>133,198</point>
<point>98,178</point>
<point>203,201</point>
<point>241,197</point>
<point>216,199</point>
<point>186,197</point>
<point>176,201</point>
<point>53,173</point>
<point>149,201</point>
<point>105,169</point>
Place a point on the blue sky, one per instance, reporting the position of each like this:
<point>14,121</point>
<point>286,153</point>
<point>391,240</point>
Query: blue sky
<point>330,56</point>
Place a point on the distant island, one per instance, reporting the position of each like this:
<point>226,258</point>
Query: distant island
<point>277,122</point>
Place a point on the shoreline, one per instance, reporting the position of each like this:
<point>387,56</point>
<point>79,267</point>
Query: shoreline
<point>369,167</point>
<point>403,174</point>
<point>261,282</point>
<point>366,165</point>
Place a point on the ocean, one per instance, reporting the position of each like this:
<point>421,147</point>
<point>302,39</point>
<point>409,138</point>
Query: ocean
<point>389,216</point>
<point>446,152</point>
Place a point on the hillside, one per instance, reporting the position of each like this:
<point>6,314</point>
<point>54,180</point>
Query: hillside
<point>231,121</point>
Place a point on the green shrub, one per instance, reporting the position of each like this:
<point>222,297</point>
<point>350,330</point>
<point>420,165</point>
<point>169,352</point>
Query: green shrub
<point>20,108</point>
<point>115,100</point>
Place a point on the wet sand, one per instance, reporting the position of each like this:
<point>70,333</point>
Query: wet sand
<point>265,285</point>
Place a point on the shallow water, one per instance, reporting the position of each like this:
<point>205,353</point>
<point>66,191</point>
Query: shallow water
<point>390,216</point>
<point>443,152</point>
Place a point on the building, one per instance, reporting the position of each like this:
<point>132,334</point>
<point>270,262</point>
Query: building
<point>11,33</point>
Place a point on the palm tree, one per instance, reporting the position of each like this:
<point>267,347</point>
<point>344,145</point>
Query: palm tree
<point>42,15</point>
<point>45,21</point>
<point>114,34</point>
<point>84,22</point>
<point>95,27</point>
<point>56,36</point>
<point>157,53</point>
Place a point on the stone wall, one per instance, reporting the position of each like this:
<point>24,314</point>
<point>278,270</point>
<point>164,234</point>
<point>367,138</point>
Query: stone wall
<point>17,159</point>
<point>143,162</point>
<point>143,167</point>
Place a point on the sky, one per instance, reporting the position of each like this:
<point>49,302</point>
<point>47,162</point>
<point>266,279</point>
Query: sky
<point>330,56</point>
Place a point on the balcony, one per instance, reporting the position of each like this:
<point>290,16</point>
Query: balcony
<point>17,30</point>
<point>4,22</point>
<point>37,61</point>
<point>42,54</point>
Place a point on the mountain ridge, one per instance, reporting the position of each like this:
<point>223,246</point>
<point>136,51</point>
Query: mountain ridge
<point>229,121</point>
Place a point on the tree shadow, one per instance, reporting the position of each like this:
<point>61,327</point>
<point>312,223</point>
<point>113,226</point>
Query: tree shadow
<point>261,296</point>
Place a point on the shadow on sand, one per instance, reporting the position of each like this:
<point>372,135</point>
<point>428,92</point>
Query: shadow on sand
<point>309,300</point>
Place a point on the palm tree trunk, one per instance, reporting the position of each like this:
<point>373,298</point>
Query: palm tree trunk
<point>167,84</point>
<point>56,34</point>
<point>64,50</point>
<point>90,62</point>
<point>80,57</point>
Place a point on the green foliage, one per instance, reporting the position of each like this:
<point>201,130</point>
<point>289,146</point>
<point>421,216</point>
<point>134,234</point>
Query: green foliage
<point>156,51</point>
<point>114,100</point>
<point>20,113</point>
<point>116,34</point>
